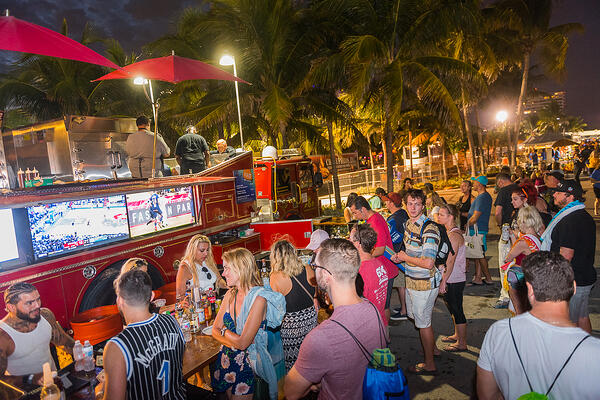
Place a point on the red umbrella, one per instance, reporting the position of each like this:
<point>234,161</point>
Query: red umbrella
<point>25,37</point>
<point>171,69</point>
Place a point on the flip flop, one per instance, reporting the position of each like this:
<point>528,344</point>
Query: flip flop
<point>476,284</point>
<point>446,339</point>
<point>454,349</point>
<point>486,282</point>
<point>418,370</point>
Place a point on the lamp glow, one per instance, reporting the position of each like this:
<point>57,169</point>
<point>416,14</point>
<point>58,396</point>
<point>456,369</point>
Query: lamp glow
<point>227,60</point>
<point>501,116</point>
<point>140,81</point>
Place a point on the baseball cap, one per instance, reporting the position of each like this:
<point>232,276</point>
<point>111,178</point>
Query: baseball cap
<point>556,173</point>
<point>569,186</point>
<point>316,239</point>
<point>393,197</point>
<point>481,179</point>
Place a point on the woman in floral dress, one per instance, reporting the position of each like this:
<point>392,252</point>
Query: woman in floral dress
<point>232,373</point>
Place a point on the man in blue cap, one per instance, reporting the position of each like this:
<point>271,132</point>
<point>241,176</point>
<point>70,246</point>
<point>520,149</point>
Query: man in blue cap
<point>479,217</point>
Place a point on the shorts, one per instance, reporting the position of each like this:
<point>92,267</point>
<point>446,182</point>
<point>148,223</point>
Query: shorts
<point>419,306</point>
<point>597,192</point>
<point>578,306</point>
<point>388,296</point>
<point>400,280</point>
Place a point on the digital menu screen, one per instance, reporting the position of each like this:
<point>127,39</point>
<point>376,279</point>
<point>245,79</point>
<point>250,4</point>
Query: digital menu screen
<point>9,250</point>
<point>60,228</point>
<point>159,210</point>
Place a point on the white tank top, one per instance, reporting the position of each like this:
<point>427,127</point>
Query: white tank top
<point>206,277</point>
<point>32,349</point>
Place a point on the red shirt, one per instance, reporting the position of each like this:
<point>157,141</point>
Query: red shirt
<point>378,223</point>
<point>375,277</point>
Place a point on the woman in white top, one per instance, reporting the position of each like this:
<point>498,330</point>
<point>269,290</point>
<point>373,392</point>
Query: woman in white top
<point>199,266</point>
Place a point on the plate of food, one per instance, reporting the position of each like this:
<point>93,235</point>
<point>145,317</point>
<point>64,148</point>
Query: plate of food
<point>207,331</point>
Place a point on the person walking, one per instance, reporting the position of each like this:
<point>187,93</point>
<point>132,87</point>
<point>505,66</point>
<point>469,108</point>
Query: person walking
<point>454,278</point>
<point>290,278</point>
<point>514,349</point>
<point>504,210</point>
<point>572,233</point>
<point>479,217</point>
<point>421,244</point>
<point>464,202</point>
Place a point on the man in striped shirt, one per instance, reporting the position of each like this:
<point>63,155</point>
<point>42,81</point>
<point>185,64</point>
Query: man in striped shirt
<point>421,248</point>
<point>145,360</point>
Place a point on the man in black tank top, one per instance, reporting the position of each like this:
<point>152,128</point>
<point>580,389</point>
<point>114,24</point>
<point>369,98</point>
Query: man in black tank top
<point>145,360</point>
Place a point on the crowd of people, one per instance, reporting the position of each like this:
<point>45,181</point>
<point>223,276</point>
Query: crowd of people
<point>273,344</point>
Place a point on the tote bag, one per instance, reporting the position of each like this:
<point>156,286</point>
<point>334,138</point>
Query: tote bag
<point>473,244</point>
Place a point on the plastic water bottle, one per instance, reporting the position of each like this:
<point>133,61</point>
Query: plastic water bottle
<point>185,328</point>
<point>49,391</point>
<point>88,352</point>
<point>78,355</point>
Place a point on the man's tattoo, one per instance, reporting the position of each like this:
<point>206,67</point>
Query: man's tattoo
<point>3,362</point>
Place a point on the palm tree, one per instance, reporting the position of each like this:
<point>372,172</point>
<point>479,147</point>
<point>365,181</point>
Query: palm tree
<point>531,20</point>
<point>389,56</point>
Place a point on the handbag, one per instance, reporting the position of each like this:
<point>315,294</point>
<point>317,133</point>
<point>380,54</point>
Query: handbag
<point>384,379</point>
<point>473,244</point>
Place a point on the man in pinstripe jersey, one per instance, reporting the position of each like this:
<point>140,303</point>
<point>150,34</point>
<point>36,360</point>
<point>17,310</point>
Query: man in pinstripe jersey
<point>144,361</point>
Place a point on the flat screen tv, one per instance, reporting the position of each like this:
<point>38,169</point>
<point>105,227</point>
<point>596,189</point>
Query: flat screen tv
<point>155,211</point>
<point>65,227</point>
<point>8,245</point>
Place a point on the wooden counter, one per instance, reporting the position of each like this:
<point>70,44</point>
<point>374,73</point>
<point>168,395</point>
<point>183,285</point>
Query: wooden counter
<point>199,353</point>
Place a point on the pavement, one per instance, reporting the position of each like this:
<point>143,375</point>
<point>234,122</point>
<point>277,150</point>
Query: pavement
<point>456,378</point>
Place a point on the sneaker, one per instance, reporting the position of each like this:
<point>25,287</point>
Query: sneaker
<point>501,304</point>
<point>398,316</point>
<point>396,309</point>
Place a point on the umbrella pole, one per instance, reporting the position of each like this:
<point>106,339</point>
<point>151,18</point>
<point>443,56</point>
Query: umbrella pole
<point>155,115</point>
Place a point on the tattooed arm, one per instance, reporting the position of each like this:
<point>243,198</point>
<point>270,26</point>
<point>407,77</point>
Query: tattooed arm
<point>59,336</point>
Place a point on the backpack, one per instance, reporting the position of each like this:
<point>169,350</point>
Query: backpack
<point>445,245</point>
<point>533,395</point>
<point>384,379</point>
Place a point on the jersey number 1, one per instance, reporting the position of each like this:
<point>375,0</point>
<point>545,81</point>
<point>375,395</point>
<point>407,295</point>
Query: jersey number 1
<point>163,375</point>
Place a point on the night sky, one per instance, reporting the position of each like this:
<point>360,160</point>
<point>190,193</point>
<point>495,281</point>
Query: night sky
<point>136,22</point>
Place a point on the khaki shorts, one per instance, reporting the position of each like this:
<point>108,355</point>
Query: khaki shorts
<point>399,280</point>
<point>419,306</point>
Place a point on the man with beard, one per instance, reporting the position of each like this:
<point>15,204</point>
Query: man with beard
<point>572,233</point>
<point>330,361</point>
<point>552,179</point>
<point>25,336</point>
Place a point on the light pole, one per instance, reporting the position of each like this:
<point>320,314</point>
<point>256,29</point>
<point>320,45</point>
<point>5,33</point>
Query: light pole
<point>141,81</point>
<point>502,117</point>
<point>229,60</point>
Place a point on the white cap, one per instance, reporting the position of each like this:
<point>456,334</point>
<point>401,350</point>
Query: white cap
<point>316,239</point>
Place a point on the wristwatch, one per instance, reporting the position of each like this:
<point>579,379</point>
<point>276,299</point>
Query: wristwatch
<point>28,380</point>
<point>223,329</point>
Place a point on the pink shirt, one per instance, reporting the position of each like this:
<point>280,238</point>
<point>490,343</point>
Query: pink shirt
<point>375,277</point>
<point>378,223</point>
<point>330,356</point>
<point>459,272</point>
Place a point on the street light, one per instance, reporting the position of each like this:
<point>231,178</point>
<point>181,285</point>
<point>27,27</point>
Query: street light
<point>141,81</point>
<point>229,60</point>
<point>501,116</point>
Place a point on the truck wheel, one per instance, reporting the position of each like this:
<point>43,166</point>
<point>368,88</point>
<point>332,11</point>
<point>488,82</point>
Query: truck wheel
<point>102,293</point>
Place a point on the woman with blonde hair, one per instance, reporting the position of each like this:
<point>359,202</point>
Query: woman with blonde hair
<point>290,278</point>
<point>240,326</point>
<point>199,266</point>
<point>530,226</point>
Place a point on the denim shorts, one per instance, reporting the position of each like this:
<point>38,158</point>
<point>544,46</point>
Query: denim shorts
<point>578,306</point>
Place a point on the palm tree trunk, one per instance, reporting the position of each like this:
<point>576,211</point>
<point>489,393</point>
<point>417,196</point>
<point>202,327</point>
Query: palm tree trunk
<point>469,134</point>
<point>517,125</point>
<point>444,171</point>
<point>221,130</point>
<point>389,162</point>
<point>410,153</point>
<point>480,139</point>
<point>334,171</point>
<point>371,160</point>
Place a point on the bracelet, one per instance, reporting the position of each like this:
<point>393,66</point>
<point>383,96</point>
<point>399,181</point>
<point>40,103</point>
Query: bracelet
<point>223,329</point>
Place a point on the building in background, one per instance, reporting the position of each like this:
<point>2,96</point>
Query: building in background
<point>541,100</point>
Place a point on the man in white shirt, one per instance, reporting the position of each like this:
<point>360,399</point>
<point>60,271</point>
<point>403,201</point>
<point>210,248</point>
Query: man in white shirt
<point>527,353</point>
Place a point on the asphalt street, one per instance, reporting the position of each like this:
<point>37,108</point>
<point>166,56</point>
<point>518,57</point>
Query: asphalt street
<point>457,370</point>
